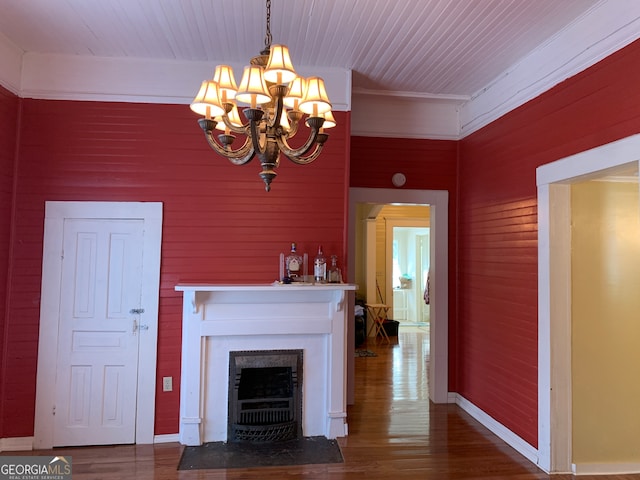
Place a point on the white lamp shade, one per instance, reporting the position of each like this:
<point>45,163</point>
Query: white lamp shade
<point>234,119</point>
<point>207,101</point>
<point>279,68</point>
<point>220,124</point>
<point>329,121</point>
<point>296,92</point>
<point>253,89</point>
<point>223,76</point>
<point>316,100</point>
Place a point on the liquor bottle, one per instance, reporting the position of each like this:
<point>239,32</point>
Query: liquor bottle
<point>334,275</point>
<point>293,265</point>
<point>320,267</point>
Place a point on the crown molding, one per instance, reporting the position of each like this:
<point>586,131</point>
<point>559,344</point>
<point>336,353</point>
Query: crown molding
<point>11,61</point>
<point>607,27</point>
<point>434,97</point>
<point>75,77</point>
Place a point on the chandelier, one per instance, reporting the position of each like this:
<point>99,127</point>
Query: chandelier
<point>278,100</point>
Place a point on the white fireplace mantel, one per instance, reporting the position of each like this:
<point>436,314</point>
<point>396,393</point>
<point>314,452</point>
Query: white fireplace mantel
<point>218,319</point>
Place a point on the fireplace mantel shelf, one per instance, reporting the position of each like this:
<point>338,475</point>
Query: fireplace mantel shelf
<point>219,319</point>
<point>213,287</point>
<point>197,293</point>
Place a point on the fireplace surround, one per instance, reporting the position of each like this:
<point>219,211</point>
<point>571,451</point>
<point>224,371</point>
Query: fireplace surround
<point>220,319</point>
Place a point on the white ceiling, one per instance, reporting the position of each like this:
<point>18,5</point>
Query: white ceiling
<point>442,49</point>
<point>452,47</point>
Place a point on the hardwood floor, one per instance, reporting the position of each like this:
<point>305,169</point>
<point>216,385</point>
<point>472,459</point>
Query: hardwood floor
<point>394,433</point>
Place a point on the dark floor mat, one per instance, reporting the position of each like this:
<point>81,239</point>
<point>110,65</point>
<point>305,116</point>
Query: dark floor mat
<point>304,451</point>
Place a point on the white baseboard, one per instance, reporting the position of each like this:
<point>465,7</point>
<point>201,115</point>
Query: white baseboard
<point>16,444</point>
<point>517,443</point>
<point>169,438</point>
<point>605,468</point>
<point>26,443</point>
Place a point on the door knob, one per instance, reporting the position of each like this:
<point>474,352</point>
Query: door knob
<point>138,326</point>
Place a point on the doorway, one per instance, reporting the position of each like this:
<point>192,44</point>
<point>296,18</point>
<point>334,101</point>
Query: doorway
<point>555,346</point>
<point>439,202</point>
<point>407,256</point>
<point>98,324</point>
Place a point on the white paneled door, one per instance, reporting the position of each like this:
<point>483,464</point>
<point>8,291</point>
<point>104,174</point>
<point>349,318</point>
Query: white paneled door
<point>98,324</point>
<point>99,331</point>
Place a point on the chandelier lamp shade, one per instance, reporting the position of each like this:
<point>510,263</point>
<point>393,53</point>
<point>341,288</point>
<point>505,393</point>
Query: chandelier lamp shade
<point>274,100</point>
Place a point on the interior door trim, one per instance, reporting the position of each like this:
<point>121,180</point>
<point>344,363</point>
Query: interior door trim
<point>55,214</point>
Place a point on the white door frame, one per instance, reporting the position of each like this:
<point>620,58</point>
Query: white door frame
<point>439,213</point>
<point>554,291</point>
<point>55,214</point>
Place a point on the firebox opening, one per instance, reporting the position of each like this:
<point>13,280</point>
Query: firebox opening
<point>265,395</point>
<point>268,382</point>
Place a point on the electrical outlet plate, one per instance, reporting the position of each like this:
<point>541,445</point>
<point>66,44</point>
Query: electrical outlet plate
<point>167,384</point>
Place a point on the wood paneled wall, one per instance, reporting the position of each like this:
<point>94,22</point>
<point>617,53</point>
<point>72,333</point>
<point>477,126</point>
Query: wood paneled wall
<point>497,228</point>
<point>8,128</point>
<point>220,225</point>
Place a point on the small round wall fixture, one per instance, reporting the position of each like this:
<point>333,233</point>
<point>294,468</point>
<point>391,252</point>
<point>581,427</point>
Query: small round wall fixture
<point>398,179</point>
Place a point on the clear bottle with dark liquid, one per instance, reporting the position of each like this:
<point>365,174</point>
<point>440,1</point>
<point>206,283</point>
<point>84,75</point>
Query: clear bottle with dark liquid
<point>293,265</point>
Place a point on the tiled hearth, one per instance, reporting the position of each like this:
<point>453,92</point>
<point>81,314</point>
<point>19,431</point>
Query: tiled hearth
<point>219,319</point>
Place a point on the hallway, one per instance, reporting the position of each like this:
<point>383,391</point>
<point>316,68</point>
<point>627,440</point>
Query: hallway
<point>394,433</point>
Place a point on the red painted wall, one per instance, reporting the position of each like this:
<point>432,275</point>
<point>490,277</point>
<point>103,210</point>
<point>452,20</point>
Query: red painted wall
<point>8,128</point>
<point>428,165</point>
<point>219,226</point>
<point>497,228</point>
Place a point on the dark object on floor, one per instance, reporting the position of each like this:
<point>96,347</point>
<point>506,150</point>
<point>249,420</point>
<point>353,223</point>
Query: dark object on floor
<point>303,451</point>
<point>365,353</point>
<point>391,327</point>
<point>360,330</point>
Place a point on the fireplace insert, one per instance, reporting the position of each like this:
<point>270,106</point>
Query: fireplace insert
<point>265,395</point>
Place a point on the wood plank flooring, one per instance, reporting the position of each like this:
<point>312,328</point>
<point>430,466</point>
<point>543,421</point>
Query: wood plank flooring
<point>394,433</point>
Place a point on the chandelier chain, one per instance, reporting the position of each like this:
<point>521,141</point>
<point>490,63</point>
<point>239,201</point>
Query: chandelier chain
<point>267,38</point>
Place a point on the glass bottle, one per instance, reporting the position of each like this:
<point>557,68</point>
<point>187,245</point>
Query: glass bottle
<point>334,275</point>
<point>293,264</point>
<point>320,267</point>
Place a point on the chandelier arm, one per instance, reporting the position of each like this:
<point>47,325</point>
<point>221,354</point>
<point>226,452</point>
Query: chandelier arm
<point>295,117</point>
<point>255,137</point>
<point>300,160</point>
<point>297,152</point>
<point>234,128</point>
<point>293,129</point>
<point>238,157</point>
